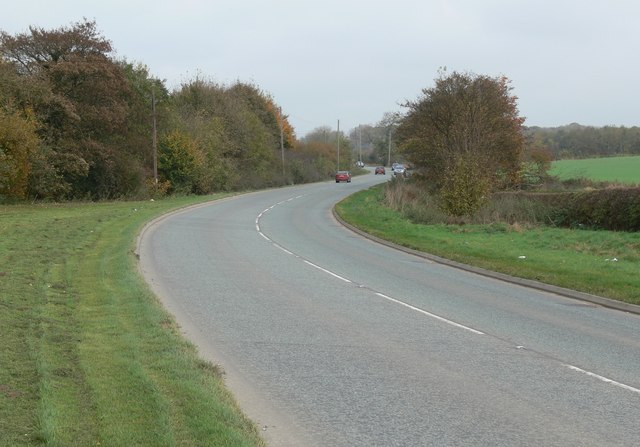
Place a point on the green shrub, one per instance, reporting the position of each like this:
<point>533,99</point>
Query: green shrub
<point>615,209</point>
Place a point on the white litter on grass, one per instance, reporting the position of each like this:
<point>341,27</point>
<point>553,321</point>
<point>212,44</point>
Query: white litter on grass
<point>612,260</point>
<point>522,257</point>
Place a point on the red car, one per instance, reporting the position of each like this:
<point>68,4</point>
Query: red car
<point>343,176</point>
<point>380,170</point>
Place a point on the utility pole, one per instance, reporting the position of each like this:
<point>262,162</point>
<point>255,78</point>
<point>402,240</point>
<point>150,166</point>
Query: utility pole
<point>338,135</point>
<point>282,143</point>
<point>359,143</point>
<point>155,137</point>
<point>389,161</point>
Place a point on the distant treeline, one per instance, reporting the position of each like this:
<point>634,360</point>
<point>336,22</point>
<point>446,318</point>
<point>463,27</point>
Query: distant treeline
<point>76,123</point>
<point>577,141</point>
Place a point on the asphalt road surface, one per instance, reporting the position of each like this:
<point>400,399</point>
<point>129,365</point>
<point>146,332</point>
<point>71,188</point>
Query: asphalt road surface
<point>329,339</point>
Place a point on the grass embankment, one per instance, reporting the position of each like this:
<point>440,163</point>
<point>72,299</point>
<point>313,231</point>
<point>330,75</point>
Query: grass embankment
<point>602,263</point>
<point>89,356</point>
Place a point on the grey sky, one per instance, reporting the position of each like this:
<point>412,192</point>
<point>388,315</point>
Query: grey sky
<point>354,60</point>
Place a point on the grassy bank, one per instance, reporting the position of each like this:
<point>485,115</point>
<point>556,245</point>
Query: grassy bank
<point>88,356</point>
<point>598,262</point>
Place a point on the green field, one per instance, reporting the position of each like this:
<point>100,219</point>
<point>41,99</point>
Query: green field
<point>611,169</point>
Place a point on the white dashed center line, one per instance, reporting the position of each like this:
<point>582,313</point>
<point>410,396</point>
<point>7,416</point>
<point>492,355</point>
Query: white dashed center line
<point>413,308</point>
<point>347,280</point>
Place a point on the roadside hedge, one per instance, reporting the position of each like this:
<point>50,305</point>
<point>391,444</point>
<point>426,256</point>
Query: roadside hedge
<point>613,209</point>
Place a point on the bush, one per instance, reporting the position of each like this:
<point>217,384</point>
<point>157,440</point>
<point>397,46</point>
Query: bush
<point>613,209</point>
<point>520,208</point>
<point>416,203</point>
<point>465,187</point>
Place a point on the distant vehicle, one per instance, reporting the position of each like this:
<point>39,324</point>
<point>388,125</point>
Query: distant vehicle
<point>399,169</point>
<point>343,176</point>
<point>360,164</point>
<point>380,170</point>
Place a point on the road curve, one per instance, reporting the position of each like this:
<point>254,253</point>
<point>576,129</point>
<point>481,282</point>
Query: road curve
<point>329,339</point>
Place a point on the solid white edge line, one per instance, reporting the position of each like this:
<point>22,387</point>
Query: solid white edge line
<point>429,314</point>
<point>603,379</point>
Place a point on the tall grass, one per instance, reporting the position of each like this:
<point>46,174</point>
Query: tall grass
<point>88,356</point>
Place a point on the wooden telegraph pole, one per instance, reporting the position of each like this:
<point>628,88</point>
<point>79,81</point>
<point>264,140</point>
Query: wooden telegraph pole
<point>155,138</point>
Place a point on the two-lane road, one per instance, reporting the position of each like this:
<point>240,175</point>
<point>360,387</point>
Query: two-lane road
<point>329,339</point>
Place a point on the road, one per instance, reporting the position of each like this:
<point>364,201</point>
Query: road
<point>329,339</point>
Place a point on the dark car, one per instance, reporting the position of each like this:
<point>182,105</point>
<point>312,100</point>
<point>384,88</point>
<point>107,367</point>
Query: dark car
<point>380,170</point>
<point>343,176</point>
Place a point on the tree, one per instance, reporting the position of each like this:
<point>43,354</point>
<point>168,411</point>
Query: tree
<point>465,138</point>
<point>385,146</point>
<point>18,142</point>
<point>537,161</point>
<point>288,133</point>
<point>137,143</point>
<point>181,162</point>
<point>236,127</point>
<point>361,139</point>
<point>322,134</point>
<point>75,123</point>
<point>82,105</point>
<point>327,142</point>
<point>577,141</point>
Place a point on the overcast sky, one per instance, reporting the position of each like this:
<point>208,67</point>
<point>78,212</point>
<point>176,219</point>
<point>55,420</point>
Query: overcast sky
<point>353,60</point>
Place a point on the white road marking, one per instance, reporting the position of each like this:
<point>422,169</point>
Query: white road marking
<point>603,379</point>
<point>283,249</point>
<point>417,309</point>
<point>335,275</point>
<point>429,314</point>
<point>342,278</point>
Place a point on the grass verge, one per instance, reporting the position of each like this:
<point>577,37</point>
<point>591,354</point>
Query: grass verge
<point>89,356</point>
<point>602,263</point>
